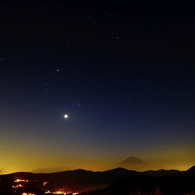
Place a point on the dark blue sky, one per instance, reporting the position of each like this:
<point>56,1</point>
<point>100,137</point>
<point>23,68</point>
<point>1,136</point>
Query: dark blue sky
<point>123,71</point>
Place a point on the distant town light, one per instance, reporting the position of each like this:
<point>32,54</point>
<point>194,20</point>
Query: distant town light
<point>20,180</point>
<point>64,193</point>
<point>45,183</point>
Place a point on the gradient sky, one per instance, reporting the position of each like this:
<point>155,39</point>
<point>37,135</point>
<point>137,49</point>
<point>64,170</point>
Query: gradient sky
<point>124,72</point>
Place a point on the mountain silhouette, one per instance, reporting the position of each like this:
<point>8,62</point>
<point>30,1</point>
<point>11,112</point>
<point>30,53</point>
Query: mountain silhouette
<point>144,185</point>
<point>166,182</point>
<point>80,179</point>
<point>50,170</point>
<point>133,163</point>
<point>189,172</point>
<point>133,160</point>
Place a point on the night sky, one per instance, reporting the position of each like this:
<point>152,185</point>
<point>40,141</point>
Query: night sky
<point>123,71</point>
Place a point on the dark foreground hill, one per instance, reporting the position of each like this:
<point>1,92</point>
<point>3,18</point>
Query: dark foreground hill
<point>77,180</point>
<point>85,181</point>
<point>150,185</point>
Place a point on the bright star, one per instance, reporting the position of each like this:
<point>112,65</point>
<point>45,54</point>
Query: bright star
<point>65,116</point>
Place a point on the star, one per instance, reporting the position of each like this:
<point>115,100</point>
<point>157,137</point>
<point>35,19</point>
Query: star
<point>66,116</point>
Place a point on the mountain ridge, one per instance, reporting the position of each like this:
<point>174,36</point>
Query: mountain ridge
<point>117,169</point>
<point>94,180</point>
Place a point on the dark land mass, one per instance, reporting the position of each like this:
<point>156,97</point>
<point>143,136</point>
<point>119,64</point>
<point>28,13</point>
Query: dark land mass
<point>76,180</point>
<point>117,181</point>
<point>150,185</point>
<point>162,182</point>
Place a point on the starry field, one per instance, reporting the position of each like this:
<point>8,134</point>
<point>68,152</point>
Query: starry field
<point>121,71</point>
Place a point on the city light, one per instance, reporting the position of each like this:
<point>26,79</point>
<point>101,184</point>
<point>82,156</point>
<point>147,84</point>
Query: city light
<point>20,180</point>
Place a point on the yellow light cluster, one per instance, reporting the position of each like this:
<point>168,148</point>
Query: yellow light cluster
<point>20,180</point>
<point>64,193</point>
<point>60,192</point>
<point>18,186</point>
